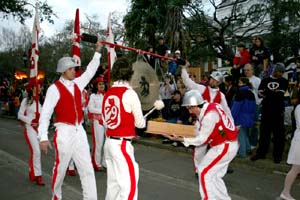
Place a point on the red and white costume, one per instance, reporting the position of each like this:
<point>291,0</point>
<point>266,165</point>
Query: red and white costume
<point>70,140</point>
<point>122,112</point>
<point>26,114</point>
<point>211,95</point>
<point>217,130</point>
<point>98,129</point>
<point>84,100</point>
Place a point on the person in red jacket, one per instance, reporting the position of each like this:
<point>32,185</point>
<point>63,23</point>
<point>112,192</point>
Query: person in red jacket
<point>241,58</point>
<point>216,129</point>
<point>122,112</point>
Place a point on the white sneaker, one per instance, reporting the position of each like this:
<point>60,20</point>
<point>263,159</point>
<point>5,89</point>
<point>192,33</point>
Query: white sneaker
<point>252,147</point>
<point>282,196</point>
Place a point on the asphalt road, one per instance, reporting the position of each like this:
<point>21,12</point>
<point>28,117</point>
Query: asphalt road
<point>164,174</point>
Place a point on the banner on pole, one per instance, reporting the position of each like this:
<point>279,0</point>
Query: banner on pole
<point>111,52</point>
<point>34,56</point>
<point>76,43</point>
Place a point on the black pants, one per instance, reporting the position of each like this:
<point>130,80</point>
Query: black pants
<point>272,123</point>
<point>236,74</point>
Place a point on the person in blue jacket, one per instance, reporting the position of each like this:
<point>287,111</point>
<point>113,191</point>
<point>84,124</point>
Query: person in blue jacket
<point>243,113</point>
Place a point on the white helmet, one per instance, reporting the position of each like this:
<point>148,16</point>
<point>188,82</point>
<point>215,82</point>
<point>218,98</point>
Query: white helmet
<point>192,98</point>
<point>65,63</point>
<point>218,76</point>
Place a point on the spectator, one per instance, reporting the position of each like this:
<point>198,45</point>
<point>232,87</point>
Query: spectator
<point>243,113</point>
<point>172,66</point>
<point>272,91</point>
<point>259,57</point>
<point>162,48</point>
<point>180,86</point>
<point>165,92</point>
<point>241,58</point>
<point>174,107</point>
<point>231,89</point>
<point>16,99</point>
<point>150,59</point>
<point>3,94</point>
<point>255,82</point>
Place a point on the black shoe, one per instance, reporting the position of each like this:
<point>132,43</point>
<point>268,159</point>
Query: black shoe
<point>257,157</point>
<point>229,170</point>
<point>166,141</point>
<point>196,175</point>
<point>277,160</point>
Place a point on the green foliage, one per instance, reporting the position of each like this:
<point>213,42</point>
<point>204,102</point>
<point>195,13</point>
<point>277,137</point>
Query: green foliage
<point>19,9</point>
<point>147,20</point>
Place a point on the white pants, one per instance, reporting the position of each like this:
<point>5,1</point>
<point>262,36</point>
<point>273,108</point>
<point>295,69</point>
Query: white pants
<point>98,137</point>
<point>35,167</point>
<point>71,165</point>
<point>198,154</point>
<point>212,169</point>
<point>71,142</point>
<point>122,170</point>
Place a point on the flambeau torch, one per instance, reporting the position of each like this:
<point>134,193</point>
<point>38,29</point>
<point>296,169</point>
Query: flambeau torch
<point>158,105</point>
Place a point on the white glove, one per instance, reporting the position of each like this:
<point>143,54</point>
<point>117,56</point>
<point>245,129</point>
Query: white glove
<point>159,104</point>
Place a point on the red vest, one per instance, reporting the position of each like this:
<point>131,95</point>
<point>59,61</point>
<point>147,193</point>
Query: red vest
<point>68,108</point>
<point>206,96</point>
<point>119,122</point>
<point>224,130</point>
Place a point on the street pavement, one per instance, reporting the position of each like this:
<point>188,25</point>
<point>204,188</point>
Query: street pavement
<point>165,172</point>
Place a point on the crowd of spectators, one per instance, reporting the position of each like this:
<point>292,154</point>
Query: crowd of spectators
<point>11,95</point>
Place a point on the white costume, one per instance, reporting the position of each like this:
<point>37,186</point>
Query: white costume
<point>191,85</point>
<point>70,140</point>
<point>27,114</point>
<point>98,130</point>
<point>120,119</point>
<point>213,165</point>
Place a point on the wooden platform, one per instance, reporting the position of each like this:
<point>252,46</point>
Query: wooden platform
<point>165,128</point>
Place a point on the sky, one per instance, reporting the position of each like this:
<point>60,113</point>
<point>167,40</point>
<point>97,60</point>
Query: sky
<point>65,10</point>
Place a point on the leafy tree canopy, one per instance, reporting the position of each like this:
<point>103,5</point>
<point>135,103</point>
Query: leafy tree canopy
<point>21,10</point>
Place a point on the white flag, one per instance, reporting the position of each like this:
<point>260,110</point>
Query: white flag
<point>112,56</point>
<point>34,57</point>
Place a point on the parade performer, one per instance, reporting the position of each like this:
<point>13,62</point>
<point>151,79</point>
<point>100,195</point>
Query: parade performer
<point>27,114</point>
<point>211,94</point>
<point>122,112</point>
<point>98,130</point>
<point>70,139</point>
<point>217,130</point>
